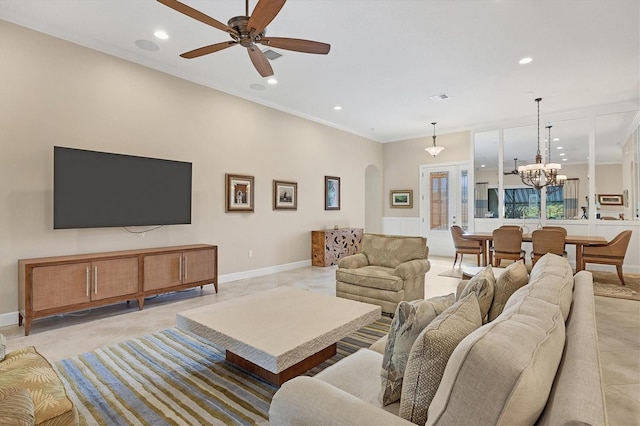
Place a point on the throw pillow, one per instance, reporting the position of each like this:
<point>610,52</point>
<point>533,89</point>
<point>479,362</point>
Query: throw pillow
<point>409,320</point>
<point>430,354</point>
<point>482,284</point>
<point>514,276</point>
<point>3,347</point>
<point>16,408</point>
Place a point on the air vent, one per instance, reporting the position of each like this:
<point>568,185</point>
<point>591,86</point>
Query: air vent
<point>437,98</point>
<point>271,54</point>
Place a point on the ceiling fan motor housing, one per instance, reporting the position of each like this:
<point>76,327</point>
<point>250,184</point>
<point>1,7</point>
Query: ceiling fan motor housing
<point>244,37</point>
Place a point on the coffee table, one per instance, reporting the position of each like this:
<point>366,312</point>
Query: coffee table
<point>279,334</point>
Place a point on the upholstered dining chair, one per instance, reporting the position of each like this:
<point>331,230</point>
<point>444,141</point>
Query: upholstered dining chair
<point>507,244</point>
<point>465,246</point>
<point>546,241</point>
<point>611,254</point>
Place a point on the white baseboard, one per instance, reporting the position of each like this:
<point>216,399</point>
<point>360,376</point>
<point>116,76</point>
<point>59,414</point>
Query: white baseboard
<point>262,271</point>
<point>10,318</point>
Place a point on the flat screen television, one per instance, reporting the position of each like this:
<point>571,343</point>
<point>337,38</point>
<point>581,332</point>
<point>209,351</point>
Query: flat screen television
<point>98,189</point>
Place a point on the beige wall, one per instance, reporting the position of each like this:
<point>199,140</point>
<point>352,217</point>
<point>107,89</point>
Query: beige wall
<point>56,93</point>
<point>402,161</point>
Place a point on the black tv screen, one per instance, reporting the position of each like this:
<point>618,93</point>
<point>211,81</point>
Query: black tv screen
<point>97,189</point>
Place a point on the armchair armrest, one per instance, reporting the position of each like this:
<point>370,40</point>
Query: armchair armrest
<point>412,268</point>
<point>308,401</point>
<point>353,261</point>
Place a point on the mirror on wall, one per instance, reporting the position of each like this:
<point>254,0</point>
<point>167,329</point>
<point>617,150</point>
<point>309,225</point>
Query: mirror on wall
<point>520,148</point>
<point>616,166</point>
<point>486,155</point>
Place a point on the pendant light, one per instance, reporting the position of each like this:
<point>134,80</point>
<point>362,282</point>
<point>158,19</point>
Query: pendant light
<point>434,150</point>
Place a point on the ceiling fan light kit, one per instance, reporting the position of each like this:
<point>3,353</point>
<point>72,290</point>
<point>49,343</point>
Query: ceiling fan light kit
<point>249,31</point>
<point>539,174</point>
<point>433,149</point>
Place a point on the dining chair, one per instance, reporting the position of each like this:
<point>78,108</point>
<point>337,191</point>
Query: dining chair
<point>464,246</point>
<point>546,241</point>
<point>561,229</point>
<point>610,254</point>
<point>507,244</point>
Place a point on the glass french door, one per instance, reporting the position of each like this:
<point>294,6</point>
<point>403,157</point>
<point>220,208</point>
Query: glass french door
<point>444,202</point>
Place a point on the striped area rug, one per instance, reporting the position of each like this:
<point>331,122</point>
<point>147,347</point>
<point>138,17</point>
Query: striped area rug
<point>176,378</point>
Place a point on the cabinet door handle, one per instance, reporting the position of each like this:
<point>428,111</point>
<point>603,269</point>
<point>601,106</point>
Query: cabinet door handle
<point>180,270</point>
<point>95,280</point>
<point>186,264</point>
<point>87,281</point>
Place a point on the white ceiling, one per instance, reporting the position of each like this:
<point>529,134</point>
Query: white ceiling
<point>387,56</point>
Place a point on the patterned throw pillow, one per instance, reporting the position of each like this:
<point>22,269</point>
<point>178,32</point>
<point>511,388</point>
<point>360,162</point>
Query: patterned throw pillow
<point>430,354</point>
<point>482,284</point>
<point>409,320</point>
<point>16,408</point>
<point>3,347</point>
<point>513,277</point>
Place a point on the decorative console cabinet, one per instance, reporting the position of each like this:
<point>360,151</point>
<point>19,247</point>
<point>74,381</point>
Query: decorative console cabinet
<point>329,245</point>
<point>54,285</point>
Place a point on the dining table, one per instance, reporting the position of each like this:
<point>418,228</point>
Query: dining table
<point>578,240</point>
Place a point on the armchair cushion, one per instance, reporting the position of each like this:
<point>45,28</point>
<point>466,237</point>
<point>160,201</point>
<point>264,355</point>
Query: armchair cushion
<point>430,354</point>
<point>391,252</point>
<point>371,276</point>
<point>408,322</point>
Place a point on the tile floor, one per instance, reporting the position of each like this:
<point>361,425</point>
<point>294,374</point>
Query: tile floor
<point>66,335</point>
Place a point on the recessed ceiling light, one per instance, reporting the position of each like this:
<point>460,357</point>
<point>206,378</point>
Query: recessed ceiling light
<point>437,98</point>
<point>556,139</point>
<point>256,86</point>
<point>564,159</point>
<point>558,147</point>
<point>272,81</point>
<point>526,60</point>
<point>562,154</point>
<point>147,45</point>
<point>337,107</point>
<point>483,165</point>
<point>161,35</point>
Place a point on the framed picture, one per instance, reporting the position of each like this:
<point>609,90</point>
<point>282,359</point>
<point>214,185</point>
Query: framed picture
<point>239,193</point>
<point>610,199</point>
<point>331,193</point>
<point>285,195</point>
<point>402,198</point>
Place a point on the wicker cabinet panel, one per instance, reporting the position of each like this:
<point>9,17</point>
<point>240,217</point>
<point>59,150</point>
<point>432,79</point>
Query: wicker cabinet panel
<point>199,265</point>
<point>162,271</point>
<point>112,278</point>
<point>60,285</point>
<point>329,245</point>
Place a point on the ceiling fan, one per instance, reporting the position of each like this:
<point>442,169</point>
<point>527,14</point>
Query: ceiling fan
<point>515,168</point>
<point>247,31</point>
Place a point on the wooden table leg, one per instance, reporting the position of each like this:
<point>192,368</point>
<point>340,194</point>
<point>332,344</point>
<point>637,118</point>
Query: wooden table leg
<point>579,248</point>
<point>485,248</point>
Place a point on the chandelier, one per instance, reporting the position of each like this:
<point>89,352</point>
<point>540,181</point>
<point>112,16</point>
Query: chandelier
<point>434,150</point>
<point>560,179</point>
<point>539,175</point>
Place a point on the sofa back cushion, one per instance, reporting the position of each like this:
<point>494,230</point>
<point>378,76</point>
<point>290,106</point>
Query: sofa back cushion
<point>392,250</point>
<point>502,373</point>
<point>482,284</point>
<point>551,280</point>
<point>512,278</point>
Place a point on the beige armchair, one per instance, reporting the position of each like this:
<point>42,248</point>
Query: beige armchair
<point>388,270</point>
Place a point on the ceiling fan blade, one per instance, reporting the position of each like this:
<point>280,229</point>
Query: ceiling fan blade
<point>296,44</point>
<point>196,53</point>
<point>260,61</point>
<point>263,14</point>
<point>196,14</point>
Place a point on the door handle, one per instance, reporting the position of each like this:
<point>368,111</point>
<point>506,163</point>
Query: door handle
<point>180,269</point>
<point>186,266</point>
<point>95,280</point>
<point>87,281</point>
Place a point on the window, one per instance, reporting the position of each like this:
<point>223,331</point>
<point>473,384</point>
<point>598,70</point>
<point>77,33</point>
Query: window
<point>439,183</point>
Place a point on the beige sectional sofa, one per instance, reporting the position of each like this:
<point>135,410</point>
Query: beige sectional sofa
<point>537,362</point>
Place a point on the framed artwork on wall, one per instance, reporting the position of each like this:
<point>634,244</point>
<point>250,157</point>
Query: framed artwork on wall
<point>238,193</point>
<point>610,199</point>
<point>331,193</point>
<point>402,198</point>
<point>285,195</point>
